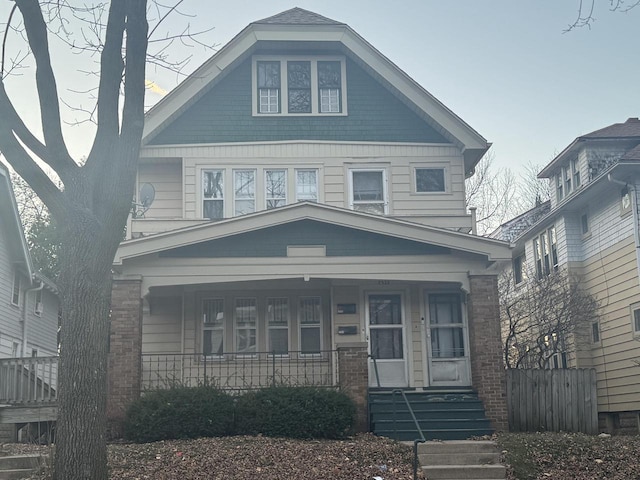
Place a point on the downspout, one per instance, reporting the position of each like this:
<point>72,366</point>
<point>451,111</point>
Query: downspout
<point>25,330</point>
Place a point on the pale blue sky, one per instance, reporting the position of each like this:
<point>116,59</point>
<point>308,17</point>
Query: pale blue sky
<point>503,66</point>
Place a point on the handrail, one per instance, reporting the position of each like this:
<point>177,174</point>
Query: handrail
<point>415,421</point>
<point>375,369</point>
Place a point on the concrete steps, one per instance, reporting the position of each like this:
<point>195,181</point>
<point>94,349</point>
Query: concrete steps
<point>461,460</point>
<point>18,467</point>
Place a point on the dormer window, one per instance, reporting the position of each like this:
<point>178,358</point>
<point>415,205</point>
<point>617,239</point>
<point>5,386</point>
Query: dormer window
<point>298,85</point>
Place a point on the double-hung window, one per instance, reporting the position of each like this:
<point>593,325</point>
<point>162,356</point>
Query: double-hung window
<point>545,251</point>
<point>244,191</point>
<point>213,194</point>
<point>330,86</point>
<point>245,318</point>
<point>299,86</point>
<point>275,188</point>
<point>575,167</point>
<point>310,321</point>
<point>213,326</point>
<point>307,185</point>
<point>369,191</point>
<point>268,87</point>
<point>278,325</point>
<point>15,291</point>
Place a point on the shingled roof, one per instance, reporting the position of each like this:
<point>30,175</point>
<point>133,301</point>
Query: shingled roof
<point>633,154</point>
<point>298,16</point>
<point>630,128</point>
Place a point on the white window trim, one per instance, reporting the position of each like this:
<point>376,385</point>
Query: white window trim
<point>225,190</point>
<point>302,326</point>
<point>594,342</point>
<point>286,186</point>
<point>295,182</point>
<point>584,234</point>
<point>236,328</point>
<point>385,186</point>
<point>464,325</point>
<point>18,280</point>
<point>633,308</point>
<point>279,327</point>
<point>223,327</point>
<point>284,91</point>
<point>256,189</point>
<point>433,166</point>
<point>38,311</point>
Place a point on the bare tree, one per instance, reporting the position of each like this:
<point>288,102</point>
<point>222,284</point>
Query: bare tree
<point>91,205</point>
<point>587,12</point>
<point>533,190</point>
<point>494,193</point>
<point>545,316</point>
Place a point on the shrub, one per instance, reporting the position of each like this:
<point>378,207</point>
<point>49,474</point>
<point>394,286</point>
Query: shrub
<point>179,412</point>
<point>295,412</point>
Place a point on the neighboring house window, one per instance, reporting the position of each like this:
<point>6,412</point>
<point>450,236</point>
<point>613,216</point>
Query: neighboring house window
<point>567,179</point>
<point>430,180</point>
<point>559,193</point>
<point>545,251</point>
<point>34,353</point>
<point>275,188</point>
<point>558,360</point>
<point>299,87</point>
<point>310,321</point>
<point>15,291</point>
<point>518,268</point>
<point>635,319</point>
<point>213,194</point>
<point>268,87</point>
<point>625,201</point>
<point>330,86</point>
<point>368,191</point>
<point>575,167</point>
<point>584,223</point>
<point>595,332</point>
<point>245,318</point>
<point>38,307</point>
<point>307,185</point>
<point>213,326</point>
<point>446,325</point>
<point>15,349</point>
<point>278,325</point>
<point>244,191</point>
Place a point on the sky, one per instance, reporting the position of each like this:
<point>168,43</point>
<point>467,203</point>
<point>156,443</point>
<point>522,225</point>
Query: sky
<point>505,67</point>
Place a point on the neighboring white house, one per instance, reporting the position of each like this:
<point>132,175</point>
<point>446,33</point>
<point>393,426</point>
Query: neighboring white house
<point>592,229</point>
<point>28,300</point>
<point>309,197</point>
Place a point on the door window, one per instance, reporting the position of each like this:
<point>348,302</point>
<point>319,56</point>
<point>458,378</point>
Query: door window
<point>385,322</point>
<point>447,328</point>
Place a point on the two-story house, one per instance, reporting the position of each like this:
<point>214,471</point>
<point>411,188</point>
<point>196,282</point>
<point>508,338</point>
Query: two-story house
<point>309,226</point>
<point>28,300</point>
<point>591,230</point>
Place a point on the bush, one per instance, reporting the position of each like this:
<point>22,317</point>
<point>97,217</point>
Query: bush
<point>179,412</point>
<point>295,412</point>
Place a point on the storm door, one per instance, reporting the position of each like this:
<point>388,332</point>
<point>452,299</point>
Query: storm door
<point>447,342</point>
<point>386,340</point>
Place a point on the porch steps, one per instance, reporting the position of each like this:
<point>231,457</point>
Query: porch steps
<point>465,459</point>
<point>442,415</point>
<point>17,467</point>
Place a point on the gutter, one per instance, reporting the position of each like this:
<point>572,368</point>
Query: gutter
<point>25,329</point>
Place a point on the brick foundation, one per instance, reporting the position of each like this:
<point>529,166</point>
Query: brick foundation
<point>619,423</point>
<point>125,348</point>
<point>354,377</point>
<point>487,368</point>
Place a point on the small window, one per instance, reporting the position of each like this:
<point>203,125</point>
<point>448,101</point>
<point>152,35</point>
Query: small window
<point>330,85</point>
<point>625,201</point>
<point>518,269</point>
<point>37,307</point>
<point>34,353</point>
<point>584,223</point>
<point>213,194</point>
<point>244,191</point>
<point>567,179</point>
<point>275,188</point>
<point>299,87</point>
<point>368,191</point>
<point>430,180</point>
<point>310,321</point>
<point>307,185</point>
<point>213,326</point>
<point>635,319</point>
<point>559,191</point>
<point>595,332</point>
<point>278,325</point>
<point>15,349</point>
<point>575,167</point>
<point>15,291</point>
<point>268,87</point>
<point>245,318</point>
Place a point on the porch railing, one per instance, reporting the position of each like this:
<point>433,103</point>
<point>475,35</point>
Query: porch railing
<point>28,380</point>
<point>240,372</point>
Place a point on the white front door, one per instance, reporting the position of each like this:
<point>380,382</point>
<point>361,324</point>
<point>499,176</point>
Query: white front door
<point>447,340</point>
<point>386,334</point>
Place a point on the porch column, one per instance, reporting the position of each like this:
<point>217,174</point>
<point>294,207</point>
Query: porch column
<point>354,378</point>
<point>125,349</point>
<point>487,368</point>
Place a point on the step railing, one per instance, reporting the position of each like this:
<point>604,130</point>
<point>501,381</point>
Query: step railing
<point>28,380</point>
<point>421,439</point>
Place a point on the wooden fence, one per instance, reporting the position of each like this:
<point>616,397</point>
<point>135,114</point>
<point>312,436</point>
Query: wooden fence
<point>552,400</point>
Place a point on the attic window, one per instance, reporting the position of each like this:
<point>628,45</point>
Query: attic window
<point>299,85</point>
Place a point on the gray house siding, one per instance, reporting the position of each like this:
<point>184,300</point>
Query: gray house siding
<point>224,115</point>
